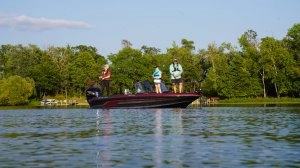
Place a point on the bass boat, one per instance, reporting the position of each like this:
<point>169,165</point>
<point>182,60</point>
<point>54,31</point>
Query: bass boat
<point>144,97</point>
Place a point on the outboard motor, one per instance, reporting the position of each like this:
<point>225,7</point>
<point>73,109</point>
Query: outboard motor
<point>92,92</point>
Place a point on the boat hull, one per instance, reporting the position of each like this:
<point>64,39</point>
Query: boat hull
<point>144,100</point>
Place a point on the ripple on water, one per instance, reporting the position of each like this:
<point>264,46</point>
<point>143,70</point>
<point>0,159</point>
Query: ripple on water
<point>193,137</point>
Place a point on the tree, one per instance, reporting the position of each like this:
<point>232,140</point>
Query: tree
<point>292,40</point>
<point>82,69</point>
<point>278,64</point>
<point>208,62</point>
<point>129,66</point>
<point>4,50</point>
<point>61,58</point>
<point>126,44</point>
<point>235,79</point>
<point>46,76</point>
<point>252,59</point>
<point>16,90</point>
<point>84,48</point>
<point>20,60</point>
<point>150,50</point>
<point>228,73</point>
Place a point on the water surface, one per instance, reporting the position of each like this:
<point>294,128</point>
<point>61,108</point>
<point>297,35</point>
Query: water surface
<point>192,137</point>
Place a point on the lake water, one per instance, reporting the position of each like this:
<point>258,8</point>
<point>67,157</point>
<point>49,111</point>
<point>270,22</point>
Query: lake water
<point>192,137</point>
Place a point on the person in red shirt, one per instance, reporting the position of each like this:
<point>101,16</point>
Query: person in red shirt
<point>105,78</point>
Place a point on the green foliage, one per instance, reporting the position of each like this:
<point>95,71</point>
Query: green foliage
<point>19,59</point>
<point>261,67</point>
<point>292,41</point>
<point>150,50</point>
<point>278,64</point>
<point>129,66</point>
<point>46,76</point>
<point>83,68</point>
<point>229,73</point>
<point>60,58</point>
<point>16,90</point>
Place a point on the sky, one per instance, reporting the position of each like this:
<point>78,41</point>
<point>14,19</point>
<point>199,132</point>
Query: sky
<point>103,24</point>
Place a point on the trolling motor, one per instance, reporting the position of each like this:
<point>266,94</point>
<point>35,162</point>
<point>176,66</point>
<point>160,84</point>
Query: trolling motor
<point>199,91</point>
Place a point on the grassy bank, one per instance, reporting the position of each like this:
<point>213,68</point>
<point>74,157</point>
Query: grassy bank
<point>259,101</point>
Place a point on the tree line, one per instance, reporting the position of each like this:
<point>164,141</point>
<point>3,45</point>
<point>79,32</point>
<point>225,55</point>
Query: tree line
<point>259,67</point>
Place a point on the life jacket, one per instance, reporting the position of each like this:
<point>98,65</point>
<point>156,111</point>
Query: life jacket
<point>175,68</point>
<point>156,74</point>
<point>104,74</point>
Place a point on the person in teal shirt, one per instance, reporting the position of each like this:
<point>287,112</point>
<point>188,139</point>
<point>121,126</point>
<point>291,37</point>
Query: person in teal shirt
<point>157,79</point>
<point>176,71</point>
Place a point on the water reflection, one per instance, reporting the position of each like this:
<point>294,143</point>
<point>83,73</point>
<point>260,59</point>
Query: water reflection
<point>134,135</point>
<point>104,131</point>
<point>158,137</point>
<point>177,120</point>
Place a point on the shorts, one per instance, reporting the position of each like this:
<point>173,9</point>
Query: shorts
<point>176,81</point>
<point>157,81</point>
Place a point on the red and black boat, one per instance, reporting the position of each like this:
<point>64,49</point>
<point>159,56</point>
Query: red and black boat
<point>143,98</point>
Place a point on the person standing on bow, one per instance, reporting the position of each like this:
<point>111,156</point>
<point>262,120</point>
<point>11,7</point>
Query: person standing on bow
<point>176,71</point>
<point>105,78</point>
<point>157,79</point>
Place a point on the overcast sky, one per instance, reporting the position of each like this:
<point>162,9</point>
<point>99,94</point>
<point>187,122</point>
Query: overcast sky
<point>155,23</point>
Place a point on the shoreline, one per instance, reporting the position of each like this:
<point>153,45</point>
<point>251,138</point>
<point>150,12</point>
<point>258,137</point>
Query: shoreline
<point>245,101</point>
<point>200,101</point>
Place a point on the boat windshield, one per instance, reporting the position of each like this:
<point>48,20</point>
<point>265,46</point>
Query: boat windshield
<point>143,87</point>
